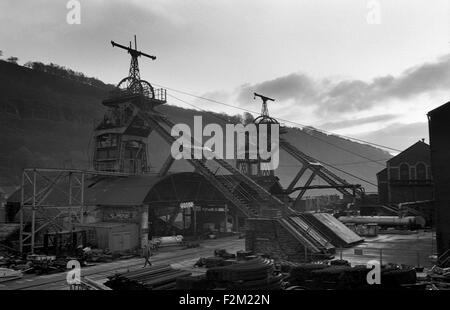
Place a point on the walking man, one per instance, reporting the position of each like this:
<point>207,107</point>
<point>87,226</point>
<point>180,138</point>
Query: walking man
<point>146,253</point>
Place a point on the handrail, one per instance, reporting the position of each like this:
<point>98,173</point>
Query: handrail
<point>237,187</point>
<point>305,219</point>
<point>446,254</point>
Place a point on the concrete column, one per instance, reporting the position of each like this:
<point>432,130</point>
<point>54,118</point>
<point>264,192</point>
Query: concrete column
<point>388,166</point>
<point>194,209</point>
<point>144,226</point>
<point>226,218</point>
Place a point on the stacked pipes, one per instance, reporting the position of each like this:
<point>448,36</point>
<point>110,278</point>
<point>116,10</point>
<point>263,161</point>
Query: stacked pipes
<point>153,278</point>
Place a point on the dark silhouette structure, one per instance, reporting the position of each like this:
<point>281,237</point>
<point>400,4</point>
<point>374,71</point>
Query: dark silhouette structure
<point>121,138</point>
<point>439,129</point>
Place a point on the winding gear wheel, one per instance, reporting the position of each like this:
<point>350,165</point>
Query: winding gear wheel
<point>137,86</point>
<point>265,119</point>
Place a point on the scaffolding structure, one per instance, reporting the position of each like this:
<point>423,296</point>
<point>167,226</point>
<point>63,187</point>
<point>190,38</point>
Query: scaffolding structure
<point>36,212</point>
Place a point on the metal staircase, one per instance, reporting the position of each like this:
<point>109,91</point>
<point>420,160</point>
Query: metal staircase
<point>227,188</point>
<point>391,210</point>
<point>235,194</point>
<point>313,232</point>
<point>262,193</point>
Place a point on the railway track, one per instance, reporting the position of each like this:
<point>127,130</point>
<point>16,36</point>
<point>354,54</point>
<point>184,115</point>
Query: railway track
<point>58,281</point>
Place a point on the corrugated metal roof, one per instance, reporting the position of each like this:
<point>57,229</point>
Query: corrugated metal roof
<point>117,191</point>
<point>114,191</point>
<point>104,225</point>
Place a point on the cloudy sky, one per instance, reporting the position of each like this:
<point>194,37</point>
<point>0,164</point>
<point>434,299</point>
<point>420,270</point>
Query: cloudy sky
<point>321,59</point>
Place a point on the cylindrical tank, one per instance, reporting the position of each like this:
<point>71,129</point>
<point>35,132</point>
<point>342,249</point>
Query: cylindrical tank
<point>168,240</point>
<point>390,221</point>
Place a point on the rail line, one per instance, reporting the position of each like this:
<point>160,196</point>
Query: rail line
<point>177,258</point>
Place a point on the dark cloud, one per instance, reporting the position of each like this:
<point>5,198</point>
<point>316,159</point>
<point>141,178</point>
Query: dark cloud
<point>331,97</point>
<point>399,136</point>
<point>358,121</point>
<point>293,86</point>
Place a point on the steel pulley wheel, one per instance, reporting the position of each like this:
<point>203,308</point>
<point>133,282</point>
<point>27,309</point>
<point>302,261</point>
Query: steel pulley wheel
<point>137,86</point>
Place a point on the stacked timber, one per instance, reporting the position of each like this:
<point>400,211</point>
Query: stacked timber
<point>256,273</point>
<point>153,278</point>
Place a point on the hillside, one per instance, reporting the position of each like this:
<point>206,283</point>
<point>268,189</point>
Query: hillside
<point>47,121</point>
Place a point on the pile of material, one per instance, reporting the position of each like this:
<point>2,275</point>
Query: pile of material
<point>256,273</point>
<point>9,274</point>
<point>39,264</point>
<point>213,261</point>
<point>224,254</point>
<point>301,274</point>
<point>8,261</point>
<point>221,258</point>
<point>99,257</point>
<point>394,277</point>
<point>342,276</point>
<point>154,278</point>
<point>439,278</point>
<point>44,264</point>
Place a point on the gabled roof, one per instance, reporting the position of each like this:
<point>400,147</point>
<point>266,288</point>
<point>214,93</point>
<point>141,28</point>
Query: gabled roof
<point>118,191</point>
<point>418,145</point>
<point>382,172</point>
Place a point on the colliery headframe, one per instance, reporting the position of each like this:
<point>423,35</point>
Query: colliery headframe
<point>121,188</point>
<point>121,205</point>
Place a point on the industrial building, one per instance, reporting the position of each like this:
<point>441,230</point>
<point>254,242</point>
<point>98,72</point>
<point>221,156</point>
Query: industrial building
<point>407,176</point>
<point>439,129</point>
<point>318,203</point>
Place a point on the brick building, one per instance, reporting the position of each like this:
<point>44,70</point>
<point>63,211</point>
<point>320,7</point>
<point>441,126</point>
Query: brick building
<point>407,176</point>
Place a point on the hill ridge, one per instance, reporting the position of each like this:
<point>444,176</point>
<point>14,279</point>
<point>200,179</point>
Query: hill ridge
<point>47,120</point>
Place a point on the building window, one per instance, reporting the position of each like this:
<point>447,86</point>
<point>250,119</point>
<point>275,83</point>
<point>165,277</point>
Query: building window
<point>412,173</point>
<point>107,140</point>
<point>421,171</point>
<point>404,172</point>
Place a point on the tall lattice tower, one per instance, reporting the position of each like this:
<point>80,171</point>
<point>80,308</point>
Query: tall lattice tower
<point>121,137</point>
<point>255,167</point>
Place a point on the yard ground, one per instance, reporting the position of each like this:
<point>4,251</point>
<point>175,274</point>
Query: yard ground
<point>410,249</point>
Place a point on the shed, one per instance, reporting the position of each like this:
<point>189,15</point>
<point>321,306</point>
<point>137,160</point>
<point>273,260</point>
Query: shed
<point>114,236</point>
